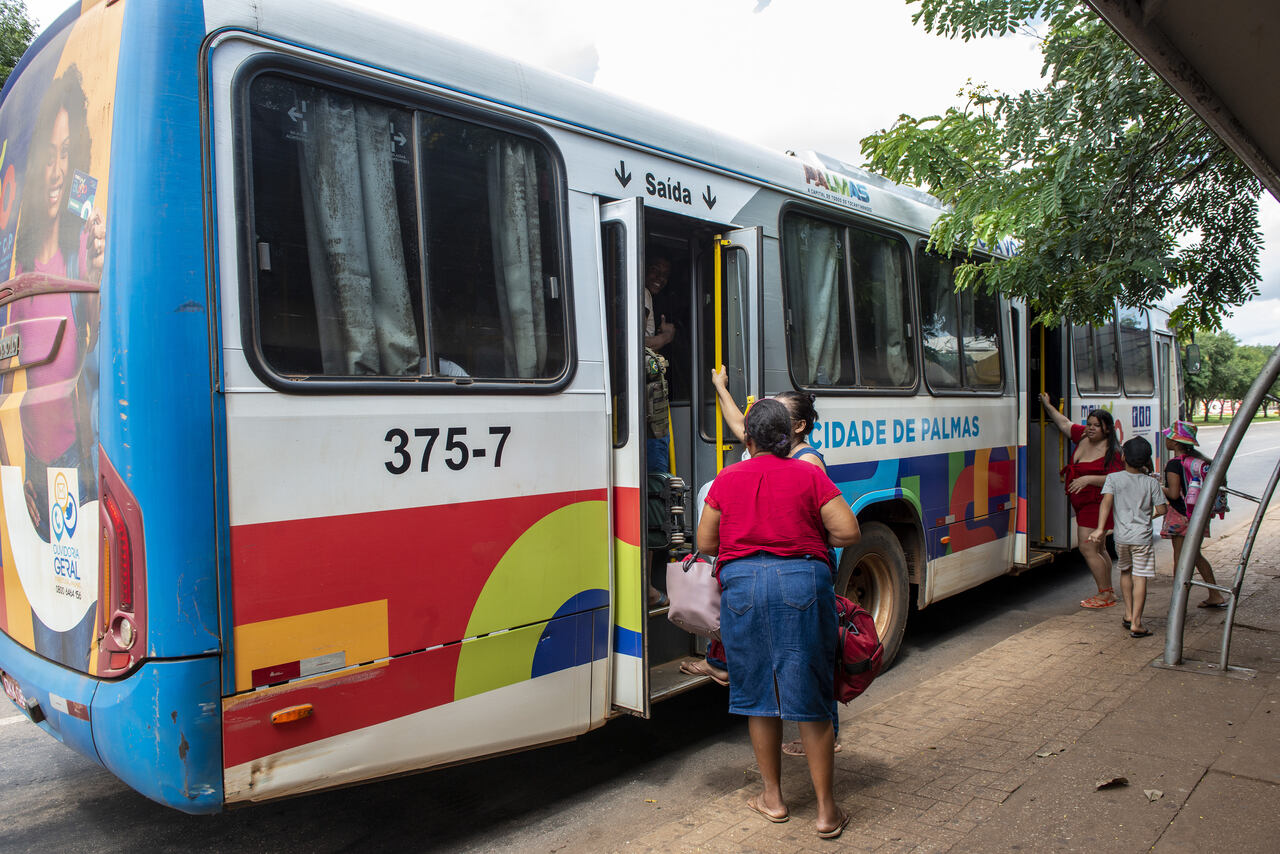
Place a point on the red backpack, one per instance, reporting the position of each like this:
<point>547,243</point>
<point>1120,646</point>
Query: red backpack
<point>859,654</point>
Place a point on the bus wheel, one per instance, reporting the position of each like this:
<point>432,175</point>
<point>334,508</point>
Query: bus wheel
<point>874,574</point>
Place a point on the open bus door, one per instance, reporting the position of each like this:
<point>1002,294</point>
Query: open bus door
<point>622,260</point>
<point>1050,524</point>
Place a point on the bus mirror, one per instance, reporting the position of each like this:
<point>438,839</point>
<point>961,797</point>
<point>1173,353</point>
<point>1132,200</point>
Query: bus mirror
<point>1192,363</point>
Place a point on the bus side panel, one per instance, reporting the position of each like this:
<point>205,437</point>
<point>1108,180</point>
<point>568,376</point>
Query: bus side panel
<point>964,485</point>
<point>160,732</point>
<point>434,707</point>
<point>156,425</point>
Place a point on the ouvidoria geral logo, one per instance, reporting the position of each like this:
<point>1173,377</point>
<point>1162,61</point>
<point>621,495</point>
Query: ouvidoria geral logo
<point>64,518</point>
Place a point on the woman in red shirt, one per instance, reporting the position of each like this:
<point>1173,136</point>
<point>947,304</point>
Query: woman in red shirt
<point>770,520</point>
<point>1096,455</point>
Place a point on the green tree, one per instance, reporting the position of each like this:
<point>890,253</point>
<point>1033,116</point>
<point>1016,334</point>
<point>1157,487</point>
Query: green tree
<point>1113,188</point>
<point>1252,359</point>
<point>1221,371</point>
<point>16,32</point>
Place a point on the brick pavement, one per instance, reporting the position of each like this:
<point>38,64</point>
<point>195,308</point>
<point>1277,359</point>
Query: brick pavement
<point>928,769</point>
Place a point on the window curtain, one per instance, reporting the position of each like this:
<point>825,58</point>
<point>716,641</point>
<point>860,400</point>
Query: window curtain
<point>517,256</point>
<point>815,280</point>
<point>890,326</point>
<point>363,306</point>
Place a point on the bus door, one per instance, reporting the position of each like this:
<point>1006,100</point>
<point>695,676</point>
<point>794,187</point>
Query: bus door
<point>622,261</point>
<point>1049,525</point>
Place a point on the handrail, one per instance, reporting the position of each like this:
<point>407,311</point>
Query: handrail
<point>1200,517</point>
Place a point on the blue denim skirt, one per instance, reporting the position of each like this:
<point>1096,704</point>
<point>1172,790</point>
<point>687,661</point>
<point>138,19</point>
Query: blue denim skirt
<point>778,626</point>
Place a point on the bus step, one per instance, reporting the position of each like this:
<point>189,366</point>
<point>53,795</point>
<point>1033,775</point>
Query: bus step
<point>666,680</point>
<point>1036,558</point>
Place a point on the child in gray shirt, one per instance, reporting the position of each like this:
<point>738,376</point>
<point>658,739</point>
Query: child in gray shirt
<point>1135,498</point>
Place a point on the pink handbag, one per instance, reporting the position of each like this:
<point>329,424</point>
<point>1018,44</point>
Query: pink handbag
<point>694,592</point>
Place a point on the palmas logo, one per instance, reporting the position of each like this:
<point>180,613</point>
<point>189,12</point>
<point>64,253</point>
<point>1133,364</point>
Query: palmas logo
<point>65,514</point>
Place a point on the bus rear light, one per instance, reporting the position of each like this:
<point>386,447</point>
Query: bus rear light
<point>122,600</point>
<point>122,548</point>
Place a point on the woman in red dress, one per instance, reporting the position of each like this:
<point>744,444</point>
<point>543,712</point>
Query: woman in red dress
<point>1096,454</point>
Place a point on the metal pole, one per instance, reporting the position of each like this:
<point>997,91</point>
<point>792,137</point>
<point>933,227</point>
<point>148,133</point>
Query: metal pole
<point>1245,554</point>
<point>1204,508</point>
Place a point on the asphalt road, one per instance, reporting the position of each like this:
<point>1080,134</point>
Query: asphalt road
<point>598,791</point>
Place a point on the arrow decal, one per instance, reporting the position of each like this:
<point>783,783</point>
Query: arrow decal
<point>621,173</point>
<point>709,198</point>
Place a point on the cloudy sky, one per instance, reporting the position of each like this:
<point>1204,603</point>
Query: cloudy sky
<point>787,74</point>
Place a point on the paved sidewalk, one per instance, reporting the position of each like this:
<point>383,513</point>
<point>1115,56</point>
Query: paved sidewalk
<point>1003,753</point>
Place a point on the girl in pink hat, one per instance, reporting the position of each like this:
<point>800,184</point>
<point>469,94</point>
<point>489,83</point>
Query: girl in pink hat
<point>1180,439</point>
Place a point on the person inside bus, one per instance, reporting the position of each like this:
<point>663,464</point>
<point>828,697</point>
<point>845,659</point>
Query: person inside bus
<point>1096,455</point>
<point>770,521</point>
<point>658,332</point>
<point>1180,441</point>
<point>803,418</point>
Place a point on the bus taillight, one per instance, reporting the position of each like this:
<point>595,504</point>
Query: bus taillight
<point>122,575</point>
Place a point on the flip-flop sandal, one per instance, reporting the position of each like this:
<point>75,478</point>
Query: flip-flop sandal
<point>796,748</point>
<point>776,819</point>
<point>1098,600</point>
<point>701,668</point>
<point>835,832</point>
<point>1222,604</point>
<point>1140,633</point>
<point>1125,623</point>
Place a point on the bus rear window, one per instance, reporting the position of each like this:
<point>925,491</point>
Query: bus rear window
<point>394,243</point>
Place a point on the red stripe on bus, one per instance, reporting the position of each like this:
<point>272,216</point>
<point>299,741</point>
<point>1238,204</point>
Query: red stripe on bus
<point>626,514</point>
<point>344,703</point>
<point>428,563</point>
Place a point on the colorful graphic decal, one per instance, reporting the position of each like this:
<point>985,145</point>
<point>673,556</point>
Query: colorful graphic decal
<point>432,617</point>
<point>964,498</point>
<point>55,136</point>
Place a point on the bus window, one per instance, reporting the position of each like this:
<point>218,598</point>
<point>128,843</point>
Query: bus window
<point>881,310</point>
<point>1094,355</point>
<point>1082,357</point>
<point>385,254</point>
<point>1135,352</point>
<point>817,289</point>
<point>963,344</point>
<point>848,311</point>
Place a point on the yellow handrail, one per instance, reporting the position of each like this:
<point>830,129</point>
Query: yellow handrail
<point>717,294</point>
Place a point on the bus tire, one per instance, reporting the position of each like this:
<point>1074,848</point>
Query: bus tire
<point>873,572</point>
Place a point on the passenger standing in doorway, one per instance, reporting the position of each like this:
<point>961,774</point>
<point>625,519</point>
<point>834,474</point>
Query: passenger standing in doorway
<point>658,332</point>
<point>770,521</point>
<point>1096,455</point>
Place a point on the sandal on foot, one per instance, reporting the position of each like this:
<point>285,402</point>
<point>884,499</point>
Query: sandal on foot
<point>1140,633</point>
<point>837,830</point>
<point>1221,604</point>
<point>698,667</point>
<point>1126,623</point>
<point>754,806</point>
<point>1103,599</point>
<point>796,748</point>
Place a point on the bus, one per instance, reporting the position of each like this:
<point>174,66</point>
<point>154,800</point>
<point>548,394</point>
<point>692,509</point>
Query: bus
<point>326,454</point>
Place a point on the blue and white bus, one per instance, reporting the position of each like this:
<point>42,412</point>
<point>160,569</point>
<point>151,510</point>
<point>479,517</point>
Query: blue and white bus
<point>322,392</point>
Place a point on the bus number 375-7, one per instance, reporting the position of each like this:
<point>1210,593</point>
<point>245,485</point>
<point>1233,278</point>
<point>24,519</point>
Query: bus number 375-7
<point>457,453</point>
